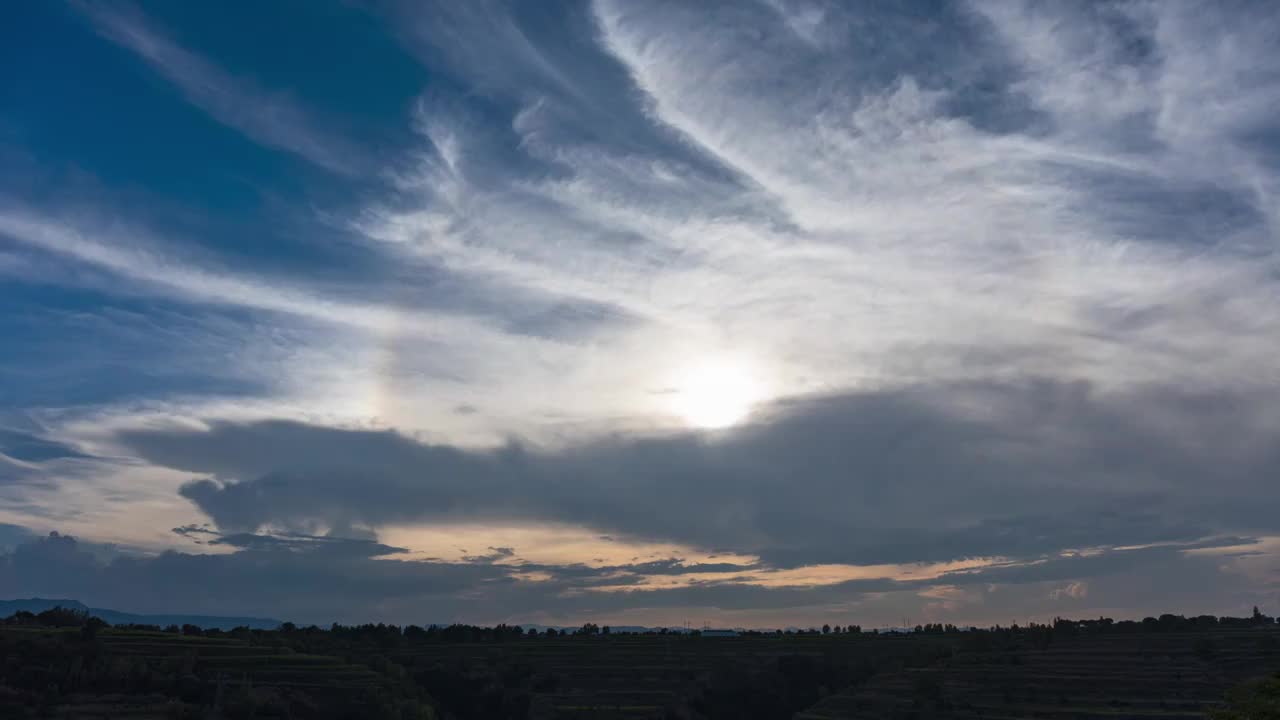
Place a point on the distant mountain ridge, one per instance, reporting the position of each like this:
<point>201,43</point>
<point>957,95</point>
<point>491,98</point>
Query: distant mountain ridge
<point>116,617</point>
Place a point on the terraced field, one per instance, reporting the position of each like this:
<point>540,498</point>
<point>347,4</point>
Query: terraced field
<point>142,675</point>
<point>656,676</point>
<point>378,672</point>
<point>1156,676</point>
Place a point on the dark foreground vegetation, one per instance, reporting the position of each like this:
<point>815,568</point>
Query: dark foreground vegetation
<point>66,664</point>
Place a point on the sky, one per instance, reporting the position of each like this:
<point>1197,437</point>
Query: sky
<point>755,314</point>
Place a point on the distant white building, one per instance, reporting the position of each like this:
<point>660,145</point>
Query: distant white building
<point>719,633</point>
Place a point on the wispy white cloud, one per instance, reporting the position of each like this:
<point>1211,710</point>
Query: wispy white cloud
<point>1188,86</point>
<point>128,253</point>
<point>849,205</point>
<point>271,118</point>
<point>869,233</point>
<point>860,231</point>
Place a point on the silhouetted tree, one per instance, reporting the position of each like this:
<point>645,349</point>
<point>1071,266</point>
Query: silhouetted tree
<point>62,617</point>
<point>91,626</point>
<point>1253,700</point>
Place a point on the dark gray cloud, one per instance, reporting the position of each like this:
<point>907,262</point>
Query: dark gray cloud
<point>314,580</point>
<point>494,554</point>
<point>197,533</point>
<point>1061,568</point>
<point>12,535</point>
<point>296,542</point>
<point>925,474</point>
<point>326,579</point>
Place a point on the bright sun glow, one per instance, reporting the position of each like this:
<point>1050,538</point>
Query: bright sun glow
<point>715,394</point>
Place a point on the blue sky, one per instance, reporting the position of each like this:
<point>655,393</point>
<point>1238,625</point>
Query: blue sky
<point>759,312</point>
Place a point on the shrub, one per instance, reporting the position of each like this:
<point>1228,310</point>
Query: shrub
<point>1253,700</point>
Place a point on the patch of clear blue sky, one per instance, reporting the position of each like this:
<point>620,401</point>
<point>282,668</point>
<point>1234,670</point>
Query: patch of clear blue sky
<point>67,347</point>
<point>339,59</point>
<point>96,120</point>
<point>88,125</point>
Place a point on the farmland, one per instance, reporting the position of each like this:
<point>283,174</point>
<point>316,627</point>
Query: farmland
<point>655,676</point>
<point>1147,676</point>
<point>1153,671</point>
<point>149,675</point>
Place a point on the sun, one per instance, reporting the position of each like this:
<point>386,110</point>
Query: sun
<point>715,394</point>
